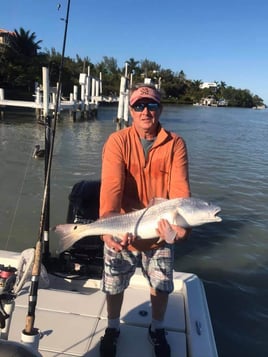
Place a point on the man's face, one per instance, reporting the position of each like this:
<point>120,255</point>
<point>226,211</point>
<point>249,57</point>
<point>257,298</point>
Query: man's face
<point>145,114</point>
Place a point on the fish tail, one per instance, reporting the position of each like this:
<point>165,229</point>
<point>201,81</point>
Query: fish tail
<point>68,235</point>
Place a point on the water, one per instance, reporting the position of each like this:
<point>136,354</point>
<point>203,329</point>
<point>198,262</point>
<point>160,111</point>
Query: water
<point>228,154</point>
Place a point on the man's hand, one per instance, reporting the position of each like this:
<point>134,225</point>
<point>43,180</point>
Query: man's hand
<point>170,232</point>
<point>116,245</point>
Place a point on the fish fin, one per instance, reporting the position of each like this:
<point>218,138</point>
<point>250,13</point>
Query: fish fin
<point>156,201</point>
<point>153,202</point>
<point>174,217</point>
<point>69,234</point>
<point>179,220</point>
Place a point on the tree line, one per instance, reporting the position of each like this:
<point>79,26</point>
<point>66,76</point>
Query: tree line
<point>21,60</point>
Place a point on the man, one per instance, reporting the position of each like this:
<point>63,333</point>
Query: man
<point>140,163</point>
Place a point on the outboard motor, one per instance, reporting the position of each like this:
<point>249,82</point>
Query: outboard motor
<point>85,257</point>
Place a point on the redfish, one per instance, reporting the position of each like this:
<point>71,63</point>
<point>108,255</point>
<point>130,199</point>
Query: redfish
<point>184,212</point>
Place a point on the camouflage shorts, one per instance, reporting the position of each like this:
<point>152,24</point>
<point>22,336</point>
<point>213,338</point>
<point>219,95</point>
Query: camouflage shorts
<point>157,267</point>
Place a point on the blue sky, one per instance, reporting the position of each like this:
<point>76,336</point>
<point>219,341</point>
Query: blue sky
<point>209,40</point>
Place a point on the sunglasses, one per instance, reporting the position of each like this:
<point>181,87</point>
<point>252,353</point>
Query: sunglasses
<point>152,107</point>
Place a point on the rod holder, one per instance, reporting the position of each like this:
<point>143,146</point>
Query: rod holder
<point>31,340</point>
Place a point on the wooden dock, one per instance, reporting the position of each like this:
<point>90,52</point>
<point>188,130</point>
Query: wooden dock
<point>45,98</point>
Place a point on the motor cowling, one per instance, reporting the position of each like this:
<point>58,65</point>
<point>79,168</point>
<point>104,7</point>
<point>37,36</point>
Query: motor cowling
<point>85,257</point>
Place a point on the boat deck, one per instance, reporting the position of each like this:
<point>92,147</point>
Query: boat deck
<point>81,319</point>
<point>71,316</point>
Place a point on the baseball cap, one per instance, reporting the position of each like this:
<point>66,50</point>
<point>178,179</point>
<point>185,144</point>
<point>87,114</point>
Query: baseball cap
<point>144,92</point>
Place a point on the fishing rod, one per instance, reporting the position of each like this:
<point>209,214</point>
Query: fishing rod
<point>46,252</point>
<point>29,326</point>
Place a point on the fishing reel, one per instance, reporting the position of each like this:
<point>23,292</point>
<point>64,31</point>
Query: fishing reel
<point>7,280</point>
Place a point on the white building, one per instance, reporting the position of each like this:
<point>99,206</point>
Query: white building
<point>208,85</point>
<point>5,36</point>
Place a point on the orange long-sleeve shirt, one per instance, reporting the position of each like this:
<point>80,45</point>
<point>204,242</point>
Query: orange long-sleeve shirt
<point>130,180</point>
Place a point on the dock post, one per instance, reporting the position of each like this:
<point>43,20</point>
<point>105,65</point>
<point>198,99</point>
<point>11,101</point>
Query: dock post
<point>100,85</point>
<point>2,94</point>
<point>45,91</point>
<point>2,97</point>
<point>122,103</point>
<point>82,82</point>
<point>125,114</point>
<point>75,91</point>
<point>38,101</point>
<point>59,101</point>
<point>93,94</point>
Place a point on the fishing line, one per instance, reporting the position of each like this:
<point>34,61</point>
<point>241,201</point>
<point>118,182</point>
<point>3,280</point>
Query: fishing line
<point>18,202</point>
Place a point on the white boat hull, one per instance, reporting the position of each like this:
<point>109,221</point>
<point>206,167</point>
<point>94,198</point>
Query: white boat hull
<point>71,316</point>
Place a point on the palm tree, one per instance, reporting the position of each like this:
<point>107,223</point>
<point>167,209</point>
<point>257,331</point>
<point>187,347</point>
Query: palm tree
<point>23,43</point>
<point>196,84</point>
<point>182,76</point>
<point>133,66</point>
<point>23,62</point>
